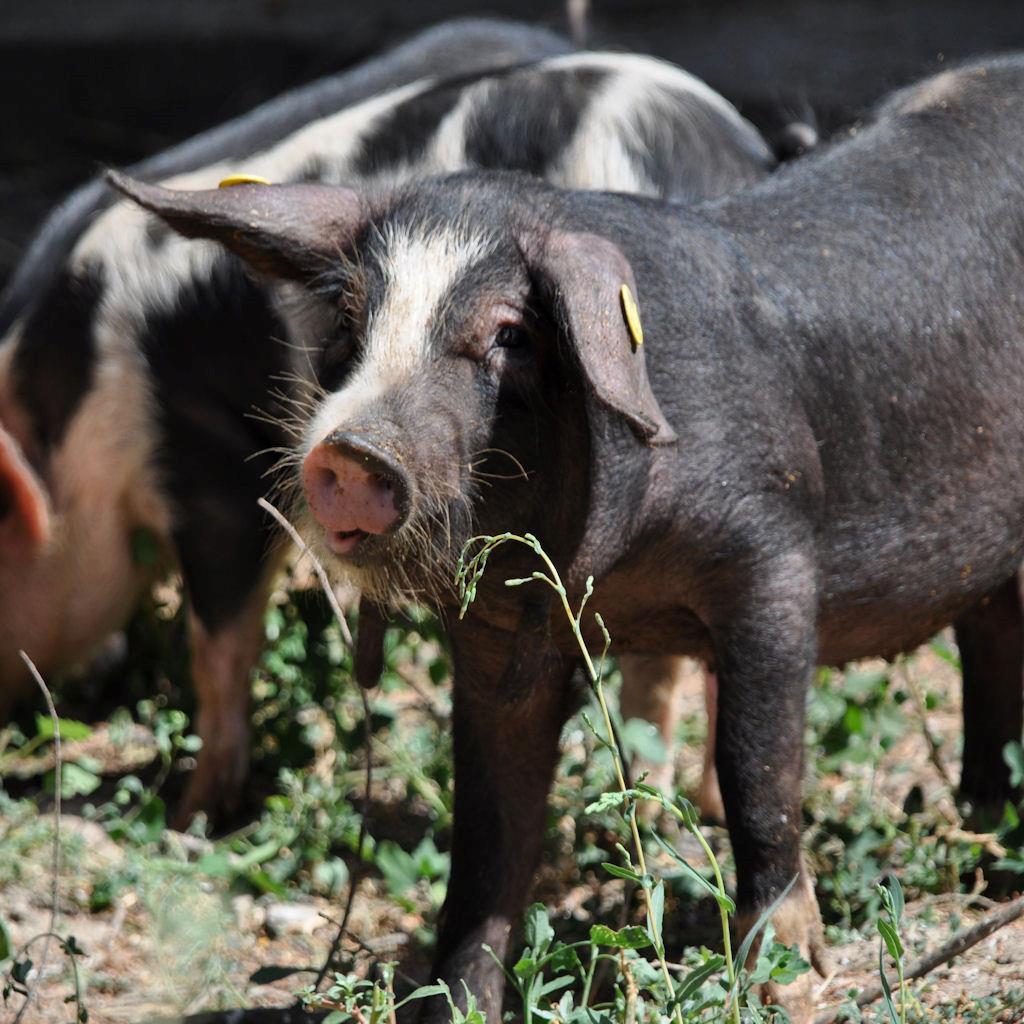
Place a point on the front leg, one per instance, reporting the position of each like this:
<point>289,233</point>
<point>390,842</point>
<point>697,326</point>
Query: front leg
<point>512,694</point>
<point>765,655</point>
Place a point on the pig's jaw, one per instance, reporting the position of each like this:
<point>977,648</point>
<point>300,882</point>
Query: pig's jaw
<point>344,542</point>
<point>392,569</point>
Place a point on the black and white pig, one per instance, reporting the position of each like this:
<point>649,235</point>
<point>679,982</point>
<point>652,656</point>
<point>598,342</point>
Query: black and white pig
<point>816,455</point>
<point>128,383</point>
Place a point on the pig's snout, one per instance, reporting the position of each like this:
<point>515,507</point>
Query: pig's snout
<point>354,489</point>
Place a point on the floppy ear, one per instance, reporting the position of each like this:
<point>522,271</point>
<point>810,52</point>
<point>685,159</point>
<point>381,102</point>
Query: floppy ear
<point>584,275</point>
<point>24,513</point>
<point>288,231</point>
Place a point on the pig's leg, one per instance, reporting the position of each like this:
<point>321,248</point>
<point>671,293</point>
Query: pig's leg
<point>765,655</point>
<point>508,712</point>
<point>222,664</point>
<point>228,562</point>
<point>991,641</point>
<point>651,690</point>
<point>709,794</point>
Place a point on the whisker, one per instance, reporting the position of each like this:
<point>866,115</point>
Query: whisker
<point>501,451</point>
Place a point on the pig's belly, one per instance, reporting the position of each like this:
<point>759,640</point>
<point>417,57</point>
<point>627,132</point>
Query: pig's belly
<point>889,590</point>
<point>876,609</point>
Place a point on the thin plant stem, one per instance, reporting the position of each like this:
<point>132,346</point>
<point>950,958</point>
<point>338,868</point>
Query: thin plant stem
<point>360,867</point>
<point>730,969</point>
<point>554,580</point>
<point>321,574</point>
<point>589,980</point>
<point>55,866</point>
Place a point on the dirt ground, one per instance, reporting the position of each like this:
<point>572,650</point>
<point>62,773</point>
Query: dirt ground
<point>181,945</point>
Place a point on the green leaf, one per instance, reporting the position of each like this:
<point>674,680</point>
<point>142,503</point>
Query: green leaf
<point>721,898</point>
<point>657,913</point>
<point>397,866</point>
<point>891,939</point>
<point>690,816</point>
<point>617,872</point>
<point>70,729</point>
<point>693,981</point>
<point>5,941</point>
<point>886,991</point>
<point>748,940</point>
<point>631,937</point>
<point>610,801</point>
<point>425,992</point>
<point>642,739</point>
<point>538,931</point>
<point>892,899</point>
<point>554,985</point>
<point>1013,755</point>
<point>562,959</point>
<point>525,968</point>
<point>259,879</point>
<point>216,864</point>
<point>75,781</point>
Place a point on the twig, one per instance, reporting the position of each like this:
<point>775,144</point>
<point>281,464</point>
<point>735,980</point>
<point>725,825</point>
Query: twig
<point>321,575</point>
<point>934,747</point>
<point>430,705</point>
<point>959,943</point>
<point>55,867</point>
<point>358,869</point>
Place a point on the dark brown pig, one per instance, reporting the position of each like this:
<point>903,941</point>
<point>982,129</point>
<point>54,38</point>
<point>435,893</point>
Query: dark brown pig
<point>816,455</point>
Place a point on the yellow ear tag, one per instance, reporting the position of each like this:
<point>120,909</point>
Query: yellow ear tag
<point>242,179</point>
<point>632,315</point>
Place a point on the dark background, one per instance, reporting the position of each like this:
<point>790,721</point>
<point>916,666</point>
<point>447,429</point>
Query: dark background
<point>91,82</point>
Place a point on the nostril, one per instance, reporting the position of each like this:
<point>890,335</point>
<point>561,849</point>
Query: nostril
<point>324,479</point>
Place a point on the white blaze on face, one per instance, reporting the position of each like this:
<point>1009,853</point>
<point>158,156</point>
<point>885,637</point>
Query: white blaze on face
<point>419,272</point>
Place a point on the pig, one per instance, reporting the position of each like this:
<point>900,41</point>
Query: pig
<point>128,382</point>
<point>815,455</point>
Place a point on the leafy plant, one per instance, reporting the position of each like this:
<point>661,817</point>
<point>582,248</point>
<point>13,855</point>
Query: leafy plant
<point>527,975</point>
<point>889,924</point>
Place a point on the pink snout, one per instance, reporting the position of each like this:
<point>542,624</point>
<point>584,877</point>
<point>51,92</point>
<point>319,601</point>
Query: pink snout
<point>353,489</point>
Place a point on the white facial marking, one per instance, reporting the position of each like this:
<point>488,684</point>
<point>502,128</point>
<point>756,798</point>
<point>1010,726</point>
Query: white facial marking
<point>419,272</point>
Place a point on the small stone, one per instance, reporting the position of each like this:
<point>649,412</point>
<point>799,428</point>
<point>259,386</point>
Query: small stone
<point>291,919</point>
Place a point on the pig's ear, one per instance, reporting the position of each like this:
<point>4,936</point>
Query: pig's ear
<point>289,231</point>
<point>584,275</point>
<point>24,514</point>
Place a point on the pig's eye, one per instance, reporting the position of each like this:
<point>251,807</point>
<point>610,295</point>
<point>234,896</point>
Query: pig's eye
<point>336,359</point>
<point>511,336</point>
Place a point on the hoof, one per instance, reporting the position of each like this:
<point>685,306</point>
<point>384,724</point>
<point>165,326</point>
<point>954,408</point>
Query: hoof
<point>797,922</point>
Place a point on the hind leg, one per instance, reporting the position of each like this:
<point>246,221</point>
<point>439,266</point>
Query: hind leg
<point>709,796</point>
<point>651,690</point>
<point>229,561</point>
<point>222,662</point>
<point>991,641</point>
